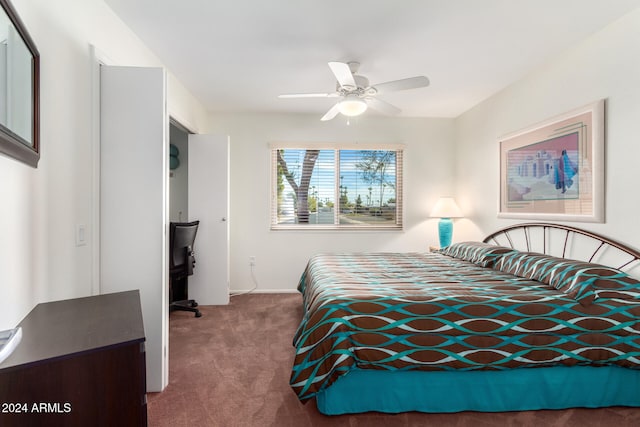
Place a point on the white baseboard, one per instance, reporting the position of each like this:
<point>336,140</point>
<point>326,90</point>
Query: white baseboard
<point>263,291</point>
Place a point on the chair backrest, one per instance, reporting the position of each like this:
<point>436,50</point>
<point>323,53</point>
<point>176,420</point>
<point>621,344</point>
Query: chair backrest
<point>182,236</point>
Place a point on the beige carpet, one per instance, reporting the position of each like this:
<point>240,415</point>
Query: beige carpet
<point>231,368</point>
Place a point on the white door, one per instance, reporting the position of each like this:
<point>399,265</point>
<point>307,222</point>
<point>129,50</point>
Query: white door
<point>133,200</point>
<point>209,203</point>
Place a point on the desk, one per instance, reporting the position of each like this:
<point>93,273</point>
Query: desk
<point>81,362</point>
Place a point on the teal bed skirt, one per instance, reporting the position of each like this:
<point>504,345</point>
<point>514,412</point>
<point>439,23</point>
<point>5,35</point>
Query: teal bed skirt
<point>364,390</point>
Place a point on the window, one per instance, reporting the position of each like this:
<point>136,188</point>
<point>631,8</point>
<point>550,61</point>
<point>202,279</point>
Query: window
<point>336,187</point>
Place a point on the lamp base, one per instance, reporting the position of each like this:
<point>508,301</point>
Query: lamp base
<point>445,231</point>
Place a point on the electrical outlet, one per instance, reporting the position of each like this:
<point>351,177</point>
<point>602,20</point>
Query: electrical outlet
<point>252,260</point>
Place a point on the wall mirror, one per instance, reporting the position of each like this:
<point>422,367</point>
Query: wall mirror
<point>19,89</point>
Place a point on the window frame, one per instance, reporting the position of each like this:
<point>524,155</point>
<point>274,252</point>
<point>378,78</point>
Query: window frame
<point>398,225</point>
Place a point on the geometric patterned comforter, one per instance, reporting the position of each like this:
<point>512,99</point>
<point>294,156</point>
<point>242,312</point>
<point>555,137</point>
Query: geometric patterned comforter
<point>429,311</point>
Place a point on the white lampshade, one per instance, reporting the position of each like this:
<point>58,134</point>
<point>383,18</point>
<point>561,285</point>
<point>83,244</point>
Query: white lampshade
<point>446,207</point>
<point>352,106</point>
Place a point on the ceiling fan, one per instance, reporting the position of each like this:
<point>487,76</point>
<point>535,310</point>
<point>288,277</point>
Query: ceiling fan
<point>355,93</point>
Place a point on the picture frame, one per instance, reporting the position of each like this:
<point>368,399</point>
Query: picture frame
<point>19,89</point>
<point>554,170</point>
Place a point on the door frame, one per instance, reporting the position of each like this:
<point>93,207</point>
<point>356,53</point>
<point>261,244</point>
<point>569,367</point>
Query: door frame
<point>98,58</point>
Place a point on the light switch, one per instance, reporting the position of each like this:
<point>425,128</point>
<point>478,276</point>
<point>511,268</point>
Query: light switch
<point>81,235</point>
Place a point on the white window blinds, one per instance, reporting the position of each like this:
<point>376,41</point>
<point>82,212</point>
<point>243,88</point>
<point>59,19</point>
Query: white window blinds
<point>335,187</point>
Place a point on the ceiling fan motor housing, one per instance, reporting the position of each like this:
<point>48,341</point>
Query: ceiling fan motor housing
<point>362,83</point>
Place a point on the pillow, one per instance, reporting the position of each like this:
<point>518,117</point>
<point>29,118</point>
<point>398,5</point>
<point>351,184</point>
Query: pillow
<point>582,281</point>
<point>482,254</point>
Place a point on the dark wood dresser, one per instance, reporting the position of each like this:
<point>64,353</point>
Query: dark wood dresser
<point>81,362</point>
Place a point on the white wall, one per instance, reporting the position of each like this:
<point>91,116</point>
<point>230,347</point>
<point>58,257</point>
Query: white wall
<point>40,208</point>
<point>179,177</point>
<point>282,255</point>
<point>607,65</point>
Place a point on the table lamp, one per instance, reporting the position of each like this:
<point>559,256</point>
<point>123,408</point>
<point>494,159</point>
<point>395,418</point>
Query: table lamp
<point>445,209</point>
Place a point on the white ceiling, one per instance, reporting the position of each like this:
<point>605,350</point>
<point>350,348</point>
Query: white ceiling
<point>237,56</point>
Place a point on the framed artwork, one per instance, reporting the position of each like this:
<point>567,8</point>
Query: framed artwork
<point>555,170</point>
<point>19,89</point>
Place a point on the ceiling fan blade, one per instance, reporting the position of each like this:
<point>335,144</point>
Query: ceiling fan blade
<point>310,95</point>
<point>382,106</point>
<point>333,111</point>
<point>343,75</point>
<point>403,84</point>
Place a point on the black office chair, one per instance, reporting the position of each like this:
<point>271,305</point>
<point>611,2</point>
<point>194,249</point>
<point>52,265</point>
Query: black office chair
<point>181,263</point>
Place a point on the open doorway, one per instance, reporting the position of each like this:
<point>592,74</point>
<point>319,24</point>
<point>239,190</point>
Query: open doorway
<point>199,191</point>
<point>178,172</point>
<point>132,198</point>
<point>182,231</point>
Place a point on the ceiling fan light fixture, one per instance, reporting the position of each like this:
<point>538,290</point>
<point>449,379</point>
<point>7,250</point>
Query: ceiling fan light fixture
<point>352,106</point>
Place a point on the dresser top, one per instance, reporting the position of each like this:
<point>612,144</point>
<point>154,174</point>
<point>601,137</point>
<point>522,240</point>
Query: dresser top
<point>70,327</point>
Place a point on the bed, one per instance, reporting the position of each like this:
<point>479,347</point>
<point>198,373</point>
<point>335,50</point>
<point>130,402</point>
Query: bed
<point>537,316</point>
